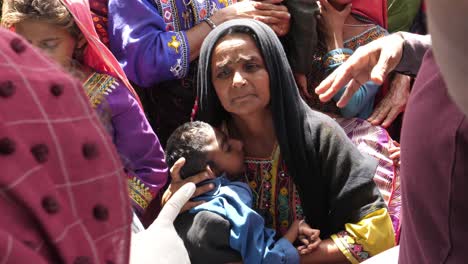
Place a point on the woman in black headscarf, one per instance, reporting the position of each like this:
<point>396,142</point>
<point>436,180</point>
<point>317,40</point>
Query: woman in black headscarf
<point>300,162</point>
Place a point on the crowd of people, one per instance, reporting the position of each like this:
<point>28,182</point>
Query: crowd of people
<point>217,131</point>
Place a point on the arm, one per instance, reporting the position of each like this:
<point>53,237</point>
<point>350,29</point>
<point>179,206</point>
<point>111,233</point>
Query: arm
<point>146,51</point>
<point>150,53</point>
<point>372,62</point>
<point>139,146</point>
<point>414,48</point>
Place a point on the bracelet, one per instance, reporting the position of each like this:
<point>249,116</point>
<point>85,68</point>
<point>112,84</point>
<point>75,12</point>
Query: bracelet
<point>335,58</point>
<point>210,23</point>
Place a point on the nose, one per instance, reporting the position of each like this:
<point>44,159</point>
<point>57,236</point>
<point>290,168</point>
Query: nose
<point>238,80</point>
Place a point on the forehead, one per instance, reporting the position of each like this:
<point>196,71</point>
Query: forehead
<point>40,29</point>
<point>236,44</point>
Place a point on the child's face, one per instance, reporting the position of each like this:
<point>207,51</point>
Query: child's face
<point>55,41</point>
<point>226,154</point>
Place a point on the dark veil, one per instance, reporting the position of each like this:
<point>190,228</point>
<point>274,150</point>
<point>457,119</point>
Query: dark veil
<point>333,178</point>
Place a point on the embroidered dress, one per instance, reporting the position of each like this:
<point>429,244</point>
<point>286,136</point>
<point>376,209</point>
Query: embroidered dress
<point>149,40</point>
<point>138,146</point>
<point>274,194</point>
<point>275,197</point>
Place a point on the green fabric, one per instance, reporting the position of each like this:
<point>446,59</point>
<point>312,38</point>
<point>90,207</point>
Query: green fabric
<point>401,14</point>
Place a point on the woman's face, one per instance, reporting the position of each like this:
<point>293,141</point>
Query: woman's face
<point>54,40</point>
<point>239,75</point>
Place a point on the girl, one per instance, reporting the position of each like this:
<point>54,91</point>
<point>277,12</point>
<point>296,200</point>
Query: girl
<point>65,32</point>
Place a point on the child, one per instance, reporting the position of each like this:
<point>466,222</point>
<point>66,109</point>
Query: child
<point>68,37</point>
<point>202,145</point>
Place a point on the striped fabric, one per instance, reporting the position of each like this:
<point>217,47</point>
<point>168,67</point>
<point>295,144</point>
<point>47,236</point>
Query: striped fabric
<point>376,142</point>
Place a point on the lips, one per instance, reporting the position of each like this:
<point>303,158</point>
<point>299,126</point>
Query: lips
<point>242,97</point>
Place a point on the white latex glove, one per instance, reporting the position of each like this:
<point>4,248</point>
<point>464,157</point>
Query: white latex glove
<point>390,256</point>
<point>160,242</point>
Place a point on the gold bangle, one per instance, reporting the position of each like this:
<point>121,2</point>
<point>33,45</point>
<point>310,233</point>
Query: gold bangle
<point>210,23</point>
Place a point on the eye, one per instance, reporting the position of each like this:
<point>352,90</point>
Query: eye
<point>49,44</point>
<point>223,73</point>
<point>251,67</point>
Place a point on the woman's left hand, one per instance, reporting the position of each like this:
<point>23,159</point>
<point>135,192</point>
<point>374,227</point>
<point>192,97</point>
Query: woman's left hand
<point>393,103</point>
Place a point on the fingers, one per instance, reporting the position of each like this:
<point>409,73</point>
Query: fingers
<point>379,113</point>
<point>175,204</point>
<point>304,240</point>
<point>352,87</point>
<point>175,170</point>
<point>264,6</point>
<point>202,176</point>
<point>335,81</point>
<point>272,1</point>
<point>267,19</point>
<point>325,5</point>
<point>190,205</point>
<point>203,189</point>
<point>314,245</point>
<point>391,117</point>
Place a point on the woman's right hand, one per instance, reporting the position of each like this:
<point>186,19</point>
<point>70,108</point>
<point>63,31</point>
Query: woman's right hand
<point>177,182</point>
<point>270,12</point>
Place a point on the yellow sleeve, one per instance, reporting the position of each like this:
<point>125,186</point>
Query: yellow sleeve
<point>370,236</point>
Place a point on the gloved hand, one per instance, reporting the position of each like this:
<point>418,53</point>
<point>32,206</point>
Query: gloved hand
<point>160,242</point>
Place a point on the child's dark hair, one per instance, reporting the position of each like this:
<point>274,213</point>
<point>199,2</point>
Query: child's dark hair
<point>189,141</point>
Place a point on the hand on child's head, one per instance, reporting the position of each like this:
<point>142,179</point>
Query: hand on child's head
<point>309,237</point>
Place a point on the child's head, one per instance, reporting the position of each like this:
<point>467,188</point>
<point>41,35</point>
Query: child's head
<point>202,145</point>
<point>48,25</point>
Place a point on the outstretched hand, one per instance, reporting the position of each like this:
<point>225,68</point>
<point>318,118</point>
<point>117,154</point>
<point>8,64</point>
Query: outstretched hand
<point>372,62</point>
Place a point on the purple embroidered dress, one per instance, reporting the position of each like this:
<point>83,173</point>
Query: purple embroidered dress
<point>132,135</point>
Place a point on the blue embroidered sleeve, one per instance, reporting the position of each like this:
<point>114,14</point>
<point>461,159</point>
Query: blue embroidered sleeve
<point>145,43</point>
<point>249,236</point>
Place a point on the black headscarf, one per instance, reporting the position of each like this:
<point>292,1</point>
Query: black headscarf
<point>333,179</point>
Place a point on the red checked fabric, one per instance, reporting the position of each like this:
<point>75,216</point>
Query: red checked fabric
<point>63,198</point>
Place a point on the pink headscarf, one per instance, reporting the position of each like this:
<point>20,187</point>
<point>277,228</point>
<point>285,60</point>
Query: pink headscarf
<point>97,55</point>
<point>375,10</point>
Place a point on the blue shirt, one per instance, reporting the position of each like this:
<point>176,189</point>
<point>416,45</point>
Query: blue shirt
<point>249,236</point>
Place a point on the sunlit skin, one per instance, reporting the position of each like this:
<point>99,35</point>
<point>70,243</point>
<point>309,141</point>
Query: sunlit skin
<point>239,75</point>
<point>224,154</point>
<point>55,41</point>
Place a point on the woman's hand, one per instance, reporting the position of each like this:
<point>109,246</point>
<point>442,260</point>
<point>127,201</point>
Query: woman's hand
<point>393,103</point>
<point>177,182</point>
<point>371,62</point>
<point>269,12</point>
<point>332,23</point>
